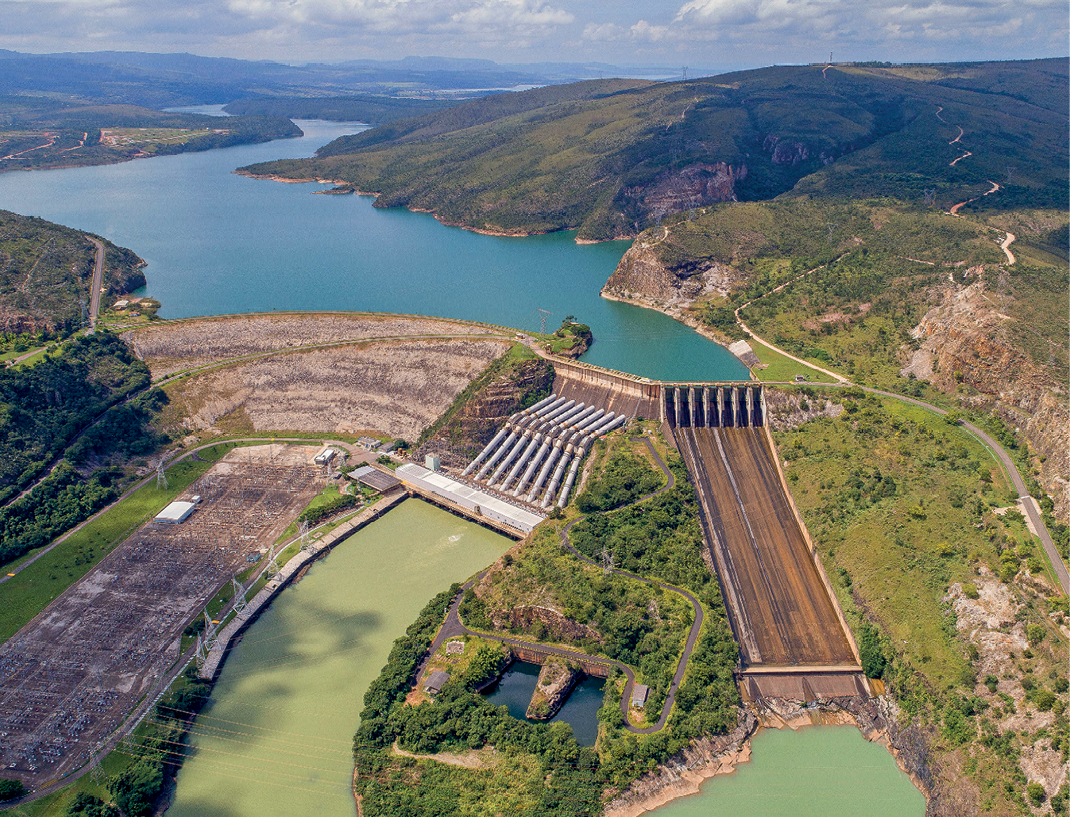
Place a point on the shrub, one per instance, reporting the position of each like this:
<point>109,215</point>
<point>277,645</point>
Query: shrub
<point>871,651</point>
<point>970,591</point>
<point>1044,699</point>
<point>1036,794</point>
<point>1035,633</point>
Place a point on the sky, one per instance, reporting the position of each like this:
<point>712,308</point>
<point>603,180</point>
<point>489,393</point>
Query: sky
<point>721,34</point>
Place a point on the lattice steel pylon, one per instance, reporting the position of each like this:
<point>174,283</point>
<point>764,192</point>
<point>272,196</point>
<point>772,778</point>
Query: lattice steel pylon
<point>161,475</point>
<point>607,561</point>
<point>543,315</point>
<point>239,596</point>
<point>306,542</point>
<point>96,773</point>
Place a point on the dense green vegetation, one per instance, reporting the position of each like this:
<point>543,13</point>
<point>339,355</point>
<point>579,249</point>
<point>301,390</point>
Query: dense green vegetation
<point>45,406</point>
<point>610,158</point>
<point>46,272</point>
<point>539,768</point>
<point>624,479</point>
<point>901,504</point>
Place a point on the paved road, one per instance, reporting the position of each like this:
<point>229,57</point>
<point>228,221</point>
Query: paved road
<point>453,626</point>
<point>1057,562</point>
<point>98,283</point>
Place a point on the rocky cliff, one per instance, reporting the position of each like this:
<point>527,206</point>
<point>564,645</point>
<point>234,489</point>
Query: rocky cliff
<point>551,690</point>
<point>963,340</point>
<point>642,277</point>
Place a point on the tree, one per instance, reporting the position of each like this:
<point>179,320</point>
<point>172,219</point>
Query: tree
<point>1036,794</point>
<point>11,790</point>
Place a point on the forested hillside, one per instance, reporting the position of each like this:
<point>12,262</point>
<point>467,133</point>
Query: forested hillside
<point>611,158</point>
<point>46,271</point>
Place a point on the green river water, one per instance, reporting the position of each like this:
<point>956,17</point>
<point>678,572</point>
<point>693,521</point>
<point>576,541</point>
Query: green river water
<point>276,738</point>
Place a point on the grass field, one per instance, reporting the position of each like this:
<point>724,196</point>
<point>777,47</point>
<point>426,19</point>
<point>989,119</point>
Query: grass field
<point>781,368</point>
<point>24,595</point>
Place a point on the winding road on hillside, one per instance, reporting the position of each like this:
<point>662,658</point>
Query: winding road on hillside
<point>97,285</point>
<point>453,626</point>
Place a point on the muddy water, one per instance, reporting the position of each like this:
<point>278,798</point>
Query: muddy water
<point>819,771</point>
<point>276,738</point>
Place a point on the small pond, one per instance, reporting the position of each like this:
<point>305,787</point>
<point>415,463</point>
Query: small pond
<point>580,711</point>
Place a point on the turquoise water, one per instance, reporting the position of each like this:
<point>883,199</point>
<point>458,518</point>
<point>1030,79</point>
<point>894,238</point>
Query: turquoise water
<point>219,243</point>
<point>580,710</point>
<point>819,771</point>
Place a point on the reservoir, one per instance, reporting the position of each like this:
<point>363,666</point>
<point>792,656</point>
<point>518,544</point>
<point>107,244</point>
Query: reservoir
<point>218,243</point>
<point>277,736</point>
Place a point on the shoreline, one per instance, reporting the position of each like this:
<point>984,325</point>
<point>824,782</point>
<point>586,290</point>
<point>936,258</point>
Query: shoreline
<point>349,188</point>
<point>706,758</point>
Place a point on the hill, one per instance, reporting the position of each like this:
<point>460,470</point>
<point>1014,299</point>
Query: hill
<point>609,158</point>
<point>46,271</point>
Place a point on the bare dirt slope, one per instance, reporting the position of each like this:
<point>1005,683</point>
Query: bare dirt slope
<point>393,387</point>
<point>173,347</point>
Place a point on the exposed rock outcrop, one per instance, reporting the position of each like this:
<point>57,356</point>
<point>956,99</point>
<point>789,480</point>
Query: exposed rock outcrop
<point>559,626</point>
<point>696,185</point>
<point>551,690</point>
<point>478,420</point>
<point>961,340</point>
<point>642,278</point>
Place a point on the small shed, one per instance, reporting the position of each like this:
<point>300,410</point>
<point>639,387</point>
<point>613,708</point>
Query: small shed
<point>432,462</point>
<point>374,478</point>
<point>435,681</point>
<point>640,692</point>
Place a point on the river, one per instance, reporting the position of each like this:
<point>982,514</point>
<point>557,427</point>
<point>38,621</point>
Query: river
<point>219,243</point>
<point>277,736</point>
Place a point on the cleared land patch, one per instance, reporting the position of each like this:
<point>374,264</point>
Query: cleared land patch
<point>397,388</point>
<point>169,348</point>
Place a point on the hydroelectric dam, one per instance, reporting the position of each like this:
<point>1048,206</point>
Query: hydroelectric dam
<point>794,641</point>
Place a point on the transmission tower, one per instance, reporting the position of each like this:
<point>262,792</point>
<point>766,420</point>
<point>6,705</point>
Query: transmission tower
<point>306,543</point>
<point>685,72</point>
<point>832,229</point>
<point>202,653</point>
<point>607,561</point>
<point>85,313</point>
<point>543,315</point>
<point>930,196</point>
<point>161,475</point>
<point>239,596</point>
<point>96,774</point>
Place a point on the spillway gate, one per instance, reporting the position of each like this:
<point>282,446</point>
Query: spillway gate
<point>687,405</point>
